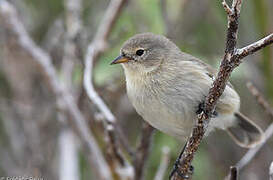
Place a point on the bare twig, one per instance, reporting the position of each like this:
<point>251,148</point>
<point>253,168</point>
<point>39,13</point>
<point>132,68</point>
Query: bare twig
<point>94,50</point>
<point>233,174</point>
<point>73,26</point>
<point>143,150</point>
<point>14,25</point>
<point>271,171</point>
<point>165,160</point>
<point>68,163</point>
<point>231,60</point>
<point>260,99</point>
<point>252,152</point>
<point>268,133</point>
<point>252,48</point>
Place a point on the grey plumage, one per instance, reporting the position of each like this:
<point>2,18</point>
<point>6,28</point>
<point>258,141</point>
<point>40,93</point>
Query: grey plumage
<point>166,87</point>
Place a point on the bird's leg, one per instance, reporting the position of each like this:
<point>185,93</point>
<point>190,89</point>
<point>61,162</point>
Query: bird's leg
<point>201,108</point>
<point>176,165</point>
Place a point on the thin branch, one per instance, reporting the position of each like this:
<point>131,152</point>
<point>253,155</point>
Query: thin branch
<point>73,25</point>
<point>252,48</point>
<point>68,159</point>
<point>233,173</point>
<point>271,171</point>
<point>165,160</point>
<point>230,61</point>
<point>252,152</point>
<point>94,50</point>
<point>14,25</point>
<point>260,99</point>
<point>268,133</point>
<point>227,8</point>
<point>143,150</point>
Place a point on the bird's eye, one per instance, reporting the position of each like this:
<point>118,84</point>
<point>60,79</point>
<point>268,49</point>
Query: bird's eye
<point>139,52</point>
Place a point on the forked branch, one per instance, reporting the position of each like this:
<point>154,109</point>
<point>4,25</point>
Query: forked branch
<point>232,58</point>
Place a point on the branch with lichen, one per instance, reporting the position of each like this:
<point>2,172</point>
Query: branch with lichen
<point>232,58</point>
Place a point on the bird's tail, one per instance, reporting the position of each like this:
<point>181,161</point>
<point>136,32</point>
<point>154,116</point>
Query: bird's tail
<point>244,132</point>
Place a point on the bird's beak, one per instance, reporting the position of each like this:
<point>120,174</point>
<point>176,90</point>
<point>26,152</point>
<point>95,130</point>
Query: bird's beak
<point>120,59</point>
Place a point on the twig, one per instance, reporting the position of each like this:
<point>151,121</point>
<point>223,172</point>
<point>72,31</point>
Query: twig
<point>231,60</point>
<point>268,133</point>
<point>271,171</point>
<point>142,150</point>
<point>252,48</point>
<point>68,162</point>
<point>260,99</point>
<point>94,50</point>
<point>165,160</point>
<point>14,25</point>
<point>73,26</point>
<point>233,173</point>
<point>252,152</point>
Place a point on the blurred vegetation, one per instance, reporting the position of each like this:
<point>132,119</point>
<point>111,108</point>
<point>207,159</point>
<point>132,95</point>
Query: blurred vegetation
<point>197,27</point>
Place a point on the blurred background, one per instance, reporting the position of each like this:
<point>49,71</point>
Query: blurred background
<point>32,130</point>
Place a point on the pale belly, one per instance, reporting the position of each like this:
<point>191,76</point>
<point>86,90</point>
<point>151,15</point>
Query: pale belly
<point>163,118</point>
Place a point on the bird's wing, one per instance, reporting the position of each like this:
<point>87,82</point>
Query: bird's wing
<point>211,72</point>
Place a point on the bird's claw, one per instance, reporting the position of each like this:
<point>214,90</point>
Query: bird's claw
<point>201,108</point>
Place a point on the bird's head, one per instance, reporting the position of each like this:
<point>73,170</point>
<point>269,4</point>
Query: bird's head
<point>145,52</point>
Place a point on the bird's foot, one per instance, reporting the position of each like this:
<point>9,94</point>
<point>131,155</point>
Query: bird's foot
<point>201,108</point>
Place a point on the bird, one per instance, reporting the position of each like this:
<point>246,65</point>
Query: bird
<point>167,87</point>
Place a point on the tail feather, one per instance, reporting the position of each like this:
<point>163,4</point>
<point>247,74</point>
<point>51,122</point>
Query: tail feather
<point>245,133</point>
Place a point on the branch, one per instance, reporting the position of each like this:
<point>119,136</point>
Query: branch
<point>233,174</point>
<point>260,99</point>
<point>268,132</point>
<point>142,150</point>
<point>18,32</point>
<point>165,160</point>
<point>230,61</point>
<point>68,160</point>
<point>271,171</point>
<point>252,48</point>
<point>94,50</point>
<point>73,25</point>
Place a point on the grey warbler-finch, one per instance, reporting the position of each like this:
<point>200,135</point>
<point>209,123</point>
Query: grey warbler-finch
<point>167,86</point>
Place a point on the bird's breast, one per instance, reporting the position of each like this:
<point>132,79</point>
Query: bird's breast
<point>151,102</point>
